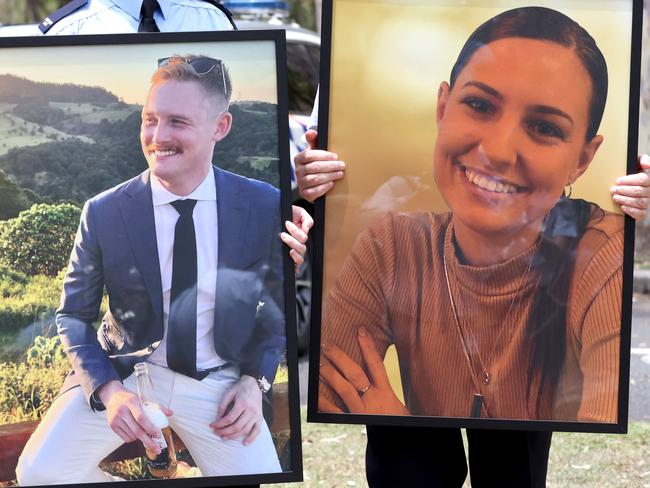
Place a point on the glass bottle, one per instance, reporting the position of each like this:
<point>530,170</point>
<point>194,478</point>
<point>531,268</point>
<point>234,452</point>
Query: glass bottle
<point>161,465</point>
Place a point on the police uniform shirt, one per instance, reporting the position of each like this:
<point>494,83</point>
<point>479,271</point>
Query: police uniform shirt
<point>123,16</point>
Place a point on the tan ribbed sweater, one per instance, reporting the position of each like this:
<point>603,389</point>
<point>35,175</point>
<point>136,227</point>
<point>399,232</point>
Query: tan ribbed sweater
<point>393,283</point>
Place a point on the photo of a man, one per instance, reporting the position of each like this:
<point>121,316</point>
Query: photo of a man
<point>191,261</point>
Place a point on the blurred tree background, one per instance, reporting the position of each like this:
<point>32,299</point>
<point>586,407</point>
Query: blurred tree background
<point>27,11</point>
<point>306,13</point>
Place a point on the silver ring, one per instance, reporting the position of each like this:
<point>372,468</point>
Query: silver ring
<point>364,390</point>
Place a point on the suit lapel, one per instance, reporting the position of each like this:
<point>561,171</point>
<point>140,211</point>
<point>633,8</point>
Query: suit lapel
<point>137,212</point>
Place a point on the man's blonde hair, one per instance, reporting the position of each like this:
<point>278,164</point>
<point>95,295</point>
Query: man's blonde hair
<point>178,68</point>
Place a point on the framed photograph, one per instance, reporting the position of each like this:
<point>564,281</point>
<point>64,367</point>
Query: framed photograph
<point>473,270</point>
<point>147,321</point>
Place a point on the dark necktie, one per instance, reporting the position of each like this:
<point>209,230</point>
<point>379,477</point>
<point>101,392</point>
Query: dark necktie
<point>147,24</point>
<point>181,323</point>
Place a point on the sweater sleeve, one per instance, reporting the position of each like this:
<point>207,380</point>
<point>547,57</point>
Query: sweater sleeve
<point>597,331</point>
<point>600,354</point>
<point>359,297</point>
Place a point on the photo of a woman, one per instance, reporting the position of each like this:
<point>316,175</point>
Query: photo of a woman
<point>509,305</point>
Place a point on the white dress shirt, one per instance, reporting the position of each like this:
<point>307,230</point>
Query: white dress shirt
<point>123,16</point>
<point>205,226</point>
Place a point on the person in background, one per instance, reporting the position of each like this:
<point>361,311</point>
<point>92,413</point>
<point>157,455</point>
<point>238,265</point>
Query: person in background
<point>128,16</point>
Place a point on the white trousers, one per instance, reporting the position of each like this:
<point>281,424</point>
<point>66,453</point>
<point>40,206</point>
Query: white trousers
<point>71,439</point>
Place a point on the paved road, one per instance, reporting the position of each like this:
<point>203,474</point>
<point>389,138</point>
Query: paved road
<point>639,362</point>
<point>640,359</point>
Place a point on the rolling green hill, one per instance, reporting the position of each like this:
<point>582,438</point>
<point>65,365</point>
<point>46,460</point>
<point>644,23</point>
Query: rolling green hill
<point>63,148</point>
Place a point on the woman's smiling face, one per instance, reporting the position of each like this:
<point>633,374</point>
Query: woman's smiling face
<point>511,135</point>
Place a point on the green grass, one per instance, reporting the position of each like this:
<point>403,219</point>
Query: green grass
<point>9,350</point>
<point>73,108</point>
<point>601,460</point>
<point>109,115</point>
<point>16,132</point>
<point>641,264</point>
<point>333,456</point>
<point>92,114</point>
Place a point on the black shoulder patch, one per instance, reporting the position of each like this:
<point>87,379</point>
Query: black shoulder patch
<point>63,12</point>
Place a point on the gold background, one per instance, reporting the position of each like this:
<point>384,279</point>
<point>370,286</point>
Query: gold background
<point>388,59</point>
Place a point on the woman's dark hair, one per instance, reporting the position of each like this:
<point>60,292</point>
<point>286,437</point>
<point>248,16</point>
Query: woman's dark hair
<point>547,326</point>
<point>567,221</point>
<point>550,25</point>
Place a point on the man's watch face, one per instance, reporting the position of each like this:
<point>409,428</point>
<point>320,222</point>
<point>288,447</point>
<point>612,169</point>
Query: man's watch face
<point>263,384</point>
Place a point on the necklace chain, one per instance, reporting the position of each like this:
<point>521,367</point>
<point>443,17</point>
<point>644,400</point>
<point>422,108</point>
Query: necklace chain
<point>484,366</point>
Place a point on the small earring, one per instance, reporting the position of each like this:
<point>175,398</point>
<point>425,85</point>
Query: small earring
<point>568,195</point>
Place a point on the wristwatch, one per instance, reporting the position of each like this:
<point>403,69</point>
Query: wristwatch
<point>263,383</point>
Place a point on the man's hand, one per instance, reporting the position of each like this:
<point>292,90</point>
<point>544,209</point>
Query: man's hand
<point>632,192</point>
<point>316,170</point>
<point>359,393</point>
<point>126,417</point>
<point>240,411</point>
<point>298,231</point>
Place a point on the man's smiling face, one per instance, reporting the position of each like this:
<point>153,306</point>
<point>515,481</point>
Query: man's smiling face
<point>179,128</point>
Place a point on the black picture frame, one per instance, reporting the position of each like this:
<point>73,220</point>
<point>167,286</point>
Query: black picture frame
<point>346,89</point>
<point>128,54</point>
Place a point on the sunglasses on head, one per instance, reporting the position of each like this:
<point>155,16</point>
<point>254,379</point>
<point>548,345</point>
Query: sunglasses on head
<point>202,66</point>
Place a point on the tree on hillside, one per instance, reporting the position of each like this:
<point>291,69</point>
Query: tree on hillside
<point>254,136</point>
<point>39,240</point>
<point>74,170</point>
<point>13,199</point>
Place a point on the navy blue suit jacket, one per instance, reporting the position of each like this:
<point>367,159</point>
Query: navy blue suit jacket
<point>115,248</point>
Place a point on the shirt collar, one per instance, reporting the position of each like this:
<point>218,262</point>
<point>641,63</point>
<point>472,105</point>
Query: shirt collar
<point>206,191</point>
<point>133,8</point>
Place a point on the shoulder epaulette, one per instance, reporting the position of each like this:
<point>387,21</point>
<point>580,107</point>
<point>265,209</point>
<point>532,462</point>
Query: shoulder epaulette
<point>226,12</point>
<point>63,12</point>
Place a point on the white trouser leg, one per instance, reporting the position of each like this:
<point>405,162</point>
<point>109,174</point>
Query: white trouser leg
<point>71,439</point>
<point>68,444</point>
<point>195,405</point>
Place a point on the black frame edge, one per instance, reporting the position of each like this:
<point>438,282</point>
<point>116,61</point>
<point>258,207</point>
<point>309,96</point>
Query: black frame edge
<point>620,427</point>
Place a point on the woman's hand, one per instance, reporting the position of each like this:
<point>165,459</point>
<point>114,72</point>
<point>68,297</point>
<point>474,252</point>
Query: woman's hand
<point>316,170</point>
<point>632,192</point>
<point>349,381</point>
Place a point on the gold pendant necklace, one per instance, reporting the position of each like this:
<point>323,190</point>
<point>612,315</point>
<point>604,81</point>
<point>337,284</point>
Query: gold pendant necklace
<point>478,400</point>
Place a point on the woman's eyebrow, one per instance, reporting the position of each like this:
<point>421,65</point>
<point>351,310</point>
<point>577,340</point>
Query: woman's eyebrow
<point>486,88</point>
<point>543,109</point>
<point>546,109</point>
